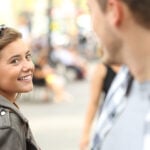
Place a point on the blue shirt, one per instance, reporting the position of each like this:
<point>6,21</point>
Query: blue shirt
<point>124,121</point>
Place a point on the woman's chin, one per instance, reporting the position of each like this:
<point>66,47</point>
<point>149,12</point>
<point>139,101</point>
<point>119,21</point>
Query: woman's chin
<point>27,90</point>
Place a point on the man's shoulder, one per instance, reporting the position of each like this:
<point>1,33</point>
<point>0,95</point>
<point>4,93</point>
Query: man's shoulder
<point>122,74</point>
<point>119,86</point>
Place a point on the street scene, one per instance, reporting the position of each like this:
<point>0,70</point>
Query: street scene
<point>74,75</point>
<point>71,68</point>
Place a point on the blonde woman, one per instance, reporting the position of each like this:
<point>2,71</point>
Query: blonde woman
<point>16,71</point>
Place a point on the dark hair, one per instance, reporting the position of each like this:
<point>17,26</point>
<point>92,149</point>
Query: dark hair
<point>7,36</point>
<point>140,10</point>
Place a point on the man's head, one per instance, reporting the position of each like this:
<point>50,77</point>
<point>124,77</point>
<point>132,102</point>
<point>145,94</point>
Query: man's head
<point>113,19</point>
<point>109,38</point>
<point>139,9</point>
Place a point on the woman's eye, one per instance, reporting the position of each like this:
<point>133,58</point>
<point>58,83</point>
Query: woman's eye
<point>15,61</point>
<point>29,57</point>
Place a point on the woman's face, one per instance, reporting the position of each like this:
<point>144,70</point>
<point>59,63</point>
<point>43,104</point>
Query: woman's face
<point>16,69</point>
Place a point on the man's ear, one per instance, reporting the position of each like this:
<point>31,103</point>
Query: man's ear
<point>115,12</point>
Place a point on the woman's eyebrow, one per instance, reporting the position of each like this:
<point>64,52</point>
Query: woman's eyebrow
<point>28,51</point>
<point>15,56</point>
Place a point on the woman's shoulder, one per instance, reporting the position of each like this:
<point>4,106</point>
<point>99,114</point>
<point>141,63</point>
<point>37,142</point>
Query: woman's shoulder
<point>5,121</point>
<point>100,70</point>
<point>9,119</point>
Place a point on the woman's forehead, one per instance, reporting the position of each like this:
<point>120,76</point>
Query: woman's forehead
<point>16,47</point>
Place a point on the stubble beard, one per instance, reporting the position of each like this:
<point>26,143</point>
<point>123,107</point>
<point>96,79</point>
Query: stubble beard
<point>113,55</point>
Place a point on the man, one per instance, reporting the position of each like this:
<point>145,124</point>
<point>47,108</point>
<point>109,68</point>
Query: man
<point>124,29</point>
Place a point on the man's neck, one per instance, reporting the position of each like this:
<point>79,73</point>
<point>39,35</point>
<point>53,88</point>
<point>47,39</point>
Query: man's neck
<point>138,61</point>
<point>137,54</point>
<point>140,72</point>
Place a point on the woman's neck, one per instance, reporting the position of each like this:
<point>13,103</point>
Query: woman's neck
<point>10,97</point>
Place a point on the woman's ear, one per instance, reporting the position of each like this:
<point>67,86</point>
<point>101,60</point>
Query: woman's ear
<point>115,12</point>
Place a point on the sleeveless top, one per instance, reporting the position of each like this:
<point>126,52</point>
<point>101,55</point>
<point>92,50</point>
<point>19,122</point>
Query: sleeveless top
<point>110,75</point>
<point>108,79</point>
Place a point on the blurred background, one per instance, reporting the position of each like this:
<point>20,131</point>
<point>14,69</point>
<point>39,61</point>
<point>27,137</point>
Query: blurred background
<point>65,51</point>
<point>63,22</point>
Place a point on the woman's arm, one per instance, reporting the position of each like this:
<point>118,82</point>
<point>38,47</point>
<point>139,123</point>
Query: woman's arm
<point>93,105</point>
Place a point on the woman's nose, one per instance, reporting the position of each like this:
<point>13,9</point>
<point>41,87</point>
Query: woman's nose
<point>28,65</point>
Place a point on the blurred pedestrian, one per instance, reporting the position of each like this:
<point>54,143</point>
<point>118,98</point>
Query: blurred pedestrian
<point>47,76</point>
<point>72,61</point>
<point>102,78</point>
<point>124,28</point>
<point>16,71</point>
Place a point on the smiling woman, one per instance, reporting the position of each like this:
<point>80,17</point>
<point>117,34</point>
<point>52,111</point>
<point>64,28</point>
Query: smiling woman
<point>16,71</point>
